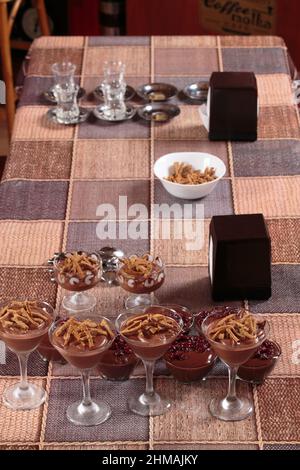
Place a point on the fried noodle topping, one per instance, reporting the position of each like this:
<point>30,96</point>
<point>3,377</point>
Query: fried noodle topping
<point>22,316</point>
<point>149,324</point>
<point>235,327</point>
<point>184,173</point>
<point>83,333</point>
<point>77,264</point>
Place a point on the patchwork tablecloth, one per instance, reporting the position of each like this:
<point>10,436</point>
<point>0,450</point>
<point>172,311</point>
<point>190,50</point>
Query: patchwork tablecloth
<point>57,176</point>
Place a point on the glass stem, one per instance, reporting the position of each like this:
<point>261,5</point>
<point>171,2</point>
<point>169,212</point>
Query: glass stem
<point>149,368</point>
<point>232,373</point>
<point>23,359</point>
<point>86,400</point>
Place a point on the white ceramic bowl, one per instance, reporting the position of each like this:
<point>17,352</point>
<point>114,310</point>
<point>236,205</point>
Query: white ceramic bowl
<point>199,161</point>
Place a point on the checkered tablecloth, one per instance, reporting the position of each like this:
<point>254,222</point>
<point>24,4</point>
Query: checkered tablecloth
<point>56,177</point>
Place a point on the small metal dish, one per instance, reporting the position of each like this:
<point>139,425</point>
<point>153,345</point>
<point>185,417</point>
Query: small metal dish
<point>129,93</point>
<point>83,115</point>
<point>157,91</point>
<point>158,112</point>
<point>197,91</point>
<point>50,96</point>
<point>99,114</point>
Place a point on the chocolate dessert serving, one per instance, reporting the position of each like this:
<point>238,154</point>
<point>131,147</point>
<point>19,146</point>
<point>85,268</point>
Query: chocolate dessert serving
<point>259,366</point>
<point>141,274</point>
<point>233,106</point>
<point>236,336</point>
<point>78,270</point>
<point>23,325</point>
<point>150,334</point>
<point>190,358</point>
<point>117,362</point>
<point>81,342</point>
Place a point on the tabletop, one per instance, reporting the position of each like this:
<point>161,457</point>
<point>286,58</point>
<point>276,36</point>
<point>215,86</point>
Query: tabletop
<point>54,181</point>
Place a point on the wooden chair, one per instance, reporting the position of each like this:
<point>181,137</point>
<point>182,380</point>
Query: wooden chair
<point>6,24</point>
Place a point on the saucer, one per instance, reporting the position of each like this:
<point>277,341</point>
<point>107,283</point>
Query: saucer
<point>50,96</point>
<point>156,91</point>
<point>83,115</point>
<point>99,114</point>
<point>196,91</point>
<point>158,112</point>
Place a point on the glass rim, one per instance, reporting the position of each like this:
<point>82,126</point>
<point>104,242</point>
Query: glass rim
<point>57,259</point>
<point>58,68</point>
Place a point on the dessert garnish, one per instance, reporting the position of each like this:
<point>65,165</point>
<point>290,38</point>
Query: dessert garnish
<point>236,327</point>
<point>148,324</point>
<point>137,265</point>
<point>267,350</point>
<point>185,344</point>
<point>22,316</point>
<point>120,348</point>
<point>184,173</point>
<point>77,264</point>
<point>83,333</point>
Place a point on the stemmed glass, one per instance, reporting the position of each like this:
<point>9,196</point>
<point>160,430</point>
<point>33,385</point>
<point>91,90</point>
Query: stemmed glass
<point>150,403</point>
<point>86,412</point>
<point>25,395</point>
<point>232,408</point>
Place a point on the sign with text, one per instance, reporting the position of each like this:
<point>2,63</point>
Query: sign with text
<point>255,17</point>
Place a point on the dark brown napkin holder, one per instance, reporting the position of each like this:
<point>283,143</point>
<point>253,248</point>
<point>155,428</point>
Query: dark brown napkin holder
<point>233,106</point>
<point>239,257</point>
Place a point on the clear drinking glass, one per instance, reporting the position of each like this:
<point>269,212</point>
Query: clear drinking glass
<point>86,412</point>
<point>113,88</point>
<point>65,91</point>
<point>25,395</point>
<point>150,403</point>
<point>232,408</point>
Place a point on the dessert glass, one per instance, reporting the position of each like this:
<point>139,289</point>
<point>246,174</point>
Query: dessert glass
<point>149,331</point>
<point>140,275</point>
<point>186,315</point>
<point>118,362</point>
<point>190,358</point>
<point>23,341</point>
<point>77,278</point>
<point>259,366</point>
<point>233,353</point>
<point>84,356</point>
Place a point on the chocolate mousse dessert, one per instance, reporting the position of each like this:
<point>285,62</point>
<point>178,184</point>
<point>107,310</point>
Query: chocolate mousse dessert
<point>259,366</point>
<point>236,336</point>
<point>24,324</point>
<point>150,334</point>
<point>117,362</point>
<point>81,342</point>
<point>77,271</point>
<point>141,275</point>
<point>185,314</point>
<point>190,358</point>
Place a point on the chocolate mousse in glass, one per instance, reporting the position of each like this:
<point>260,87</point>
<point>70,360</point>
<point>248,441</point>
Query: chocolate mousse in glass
<point>77,272</point>
<point>23,325</point>
<point>190,358</point>
<point>117,362</point>
<point>186,315</point>
<point>259,366</point>
<point>81,342</point>
<point>140,275</point>
<point>149,331</point>
<point>235,338</point>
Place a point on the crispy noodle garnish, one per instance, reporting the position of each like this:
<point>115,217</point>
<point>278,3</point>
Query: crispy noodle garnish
<point>183,173</point>
<point>22,315</point>
<point>77,264</point>
<point>137,265</point>
<point>83,332</point>
<point>236,327</point>
<point>149,324</point>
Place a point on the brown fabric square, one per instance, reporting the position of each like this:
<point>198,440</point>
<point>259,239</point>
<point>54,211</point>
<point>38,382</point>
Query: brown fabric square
<point>285,240</point>
<point>278,401</point>
<point>39,160</point>
<point>41,60</point>
<point>185,61</point>
<point>137,59</point>
<point>186,126</point>
<point>278,122</point>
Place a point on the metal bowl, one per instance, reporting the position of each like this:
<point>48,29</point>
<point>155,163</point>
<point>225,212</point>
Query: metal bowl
<point>129,93</point>
<point>158,112</point>
<point>197,91</point>
<point>156,91</point>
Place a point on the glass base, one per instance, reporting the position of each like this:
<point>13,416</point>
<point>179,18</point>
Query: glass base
<point>24,399</point>
<point>149,406</point>
<point>231,410</point>
<point>88,415</point>
<point>79,301</point>
<point>138,300</point>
